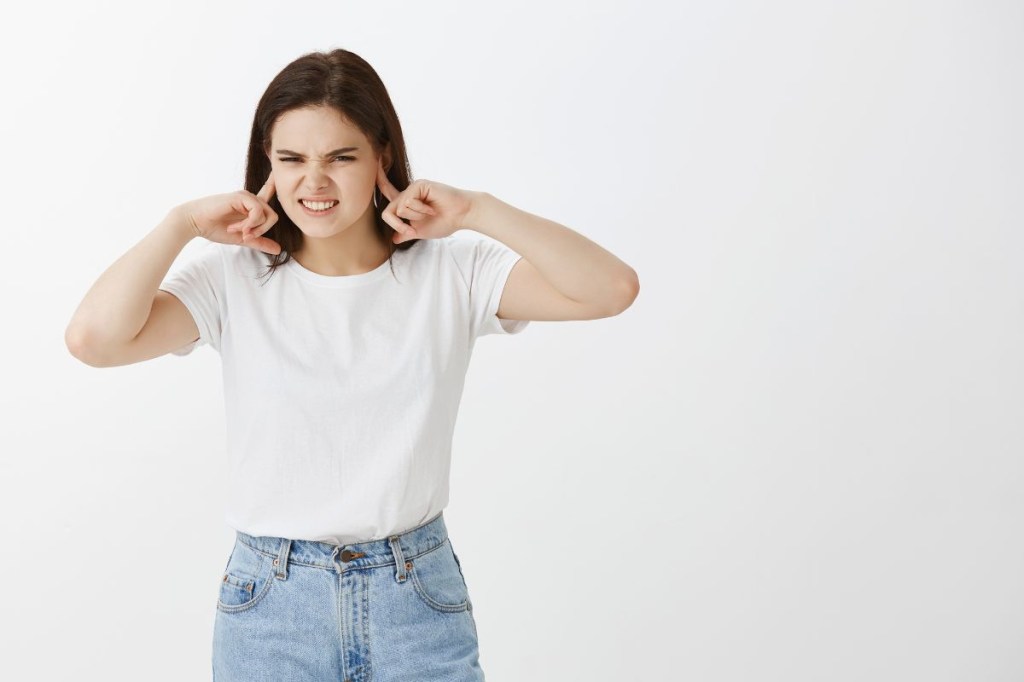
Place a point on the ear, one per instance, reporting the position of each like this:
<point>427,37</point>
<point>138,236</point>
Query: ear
<point>386,158</point>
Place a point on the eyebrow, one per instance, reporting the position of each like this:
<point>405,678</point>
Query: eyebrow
<point>331,153</point>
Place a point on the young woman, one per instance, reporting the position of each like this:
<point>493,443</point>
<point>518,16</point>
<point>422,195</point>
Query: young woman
<point>342,372</point>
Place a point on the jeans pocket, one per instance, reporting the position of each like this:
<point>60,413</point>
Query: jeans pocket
<point>247,577</point>
<point>437,579</point>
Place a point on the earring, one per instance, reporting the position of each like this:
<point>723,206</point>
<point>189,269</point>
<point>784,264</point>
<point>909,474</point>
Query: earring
<point>375,198</point>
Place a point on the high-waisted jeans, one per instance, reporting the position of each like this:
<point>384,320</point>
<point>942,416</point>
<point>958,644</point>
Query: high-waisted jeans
<point>388,610</point>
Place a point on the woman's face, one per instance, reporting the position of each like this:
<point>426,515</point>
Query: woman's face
<point>316,153</point>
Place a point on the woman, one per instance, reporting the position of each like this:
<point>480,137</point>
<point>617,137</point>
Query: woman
<point>343,372</point>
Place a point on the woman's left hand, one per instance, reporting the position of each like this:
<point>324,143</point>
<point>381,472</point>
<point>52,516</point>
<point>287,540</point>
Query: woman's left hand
<point>433,209</point>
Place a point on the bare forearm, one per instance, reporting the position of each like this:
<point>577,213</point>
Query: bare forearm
<point>118,304</point>
<point>573,264</point>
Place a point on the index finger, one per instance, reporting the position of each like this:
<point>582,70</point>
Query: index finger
<point>386,188</point>
<point>267,190</point>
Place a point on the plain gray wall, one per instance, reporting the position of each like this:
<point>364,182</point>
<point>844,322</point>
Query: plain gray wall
<point>797,456</point>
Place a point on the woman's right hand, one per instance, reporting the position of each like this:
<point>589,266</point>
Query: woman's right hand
<point>210,217</point>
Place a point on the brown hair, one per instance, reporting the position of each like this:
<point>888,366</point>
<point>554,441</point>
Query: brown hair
<point>345,81</point>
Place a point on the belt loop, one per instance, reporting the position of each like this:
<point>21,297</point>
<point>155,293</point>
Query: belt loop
<point>281,562</point>
<point>396,548</point>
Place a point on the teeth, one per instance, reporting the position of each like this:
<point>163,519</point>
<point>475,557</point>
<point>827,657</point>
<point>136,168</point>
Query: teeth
<point>318,205</point>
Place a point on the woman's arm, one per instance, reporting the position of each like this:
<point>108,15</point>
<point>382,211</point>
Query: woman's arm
<point>570,264</point>
<point>118,304</point>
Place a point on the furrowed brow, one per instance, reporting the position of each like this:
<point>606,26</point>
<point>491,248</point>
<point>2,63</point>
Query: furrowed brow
<point>330,153</point>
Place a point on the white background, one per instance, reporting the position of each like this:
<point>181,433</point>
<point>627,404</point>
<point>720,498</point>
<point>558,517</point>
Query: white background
<point>797,456</point>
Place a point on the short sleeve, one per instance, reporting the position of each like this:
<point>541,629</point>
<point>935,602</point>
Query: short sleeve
<point>485,265</point>
<point>199,284</point>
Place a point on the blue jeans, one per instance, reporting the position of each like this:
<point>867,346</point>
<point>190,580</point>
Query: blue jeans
<point>386,610</point>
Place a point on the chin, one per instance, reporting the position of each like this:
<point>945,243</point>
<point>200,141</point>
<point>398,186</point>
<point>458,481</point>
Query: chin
<point>319,231</point>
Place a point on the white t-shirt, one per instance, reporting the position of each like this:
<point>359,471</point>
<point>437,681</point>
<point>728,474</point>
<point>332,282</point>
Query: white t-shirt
<point>341,393</point>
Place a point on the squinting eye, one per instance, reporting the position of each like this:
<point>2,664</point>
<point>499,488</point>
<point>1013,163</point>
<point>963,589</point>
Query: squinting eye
<point>295,158</point>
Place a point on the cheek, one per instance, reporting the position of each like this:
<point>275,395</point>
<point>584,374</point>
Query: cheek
<point>355,187</point>
<point>283,179</point>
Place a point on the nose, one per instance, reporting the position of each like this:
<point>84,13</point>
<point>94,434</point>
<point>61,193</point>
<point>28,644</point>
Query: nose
<point>316,178</point>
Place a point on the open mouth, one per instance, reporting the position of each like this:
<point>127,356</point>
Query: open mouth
<point>318,208</point>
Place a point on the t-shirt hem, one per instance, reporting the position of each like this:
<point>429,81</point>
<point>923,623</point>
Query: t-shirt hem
<point>193,308</point>
<point>505,326</point>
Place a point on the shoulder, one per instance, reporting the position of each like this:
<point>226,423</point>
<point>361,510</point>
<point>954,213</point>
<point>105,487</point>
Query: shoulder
<point>241,260</point>
<point>479,254</point>
<point>208,253</point>
<point>424,252</point>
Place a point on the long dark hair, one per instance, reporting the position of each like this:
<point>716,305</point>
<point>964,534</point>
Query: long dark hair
<point>345,81</point>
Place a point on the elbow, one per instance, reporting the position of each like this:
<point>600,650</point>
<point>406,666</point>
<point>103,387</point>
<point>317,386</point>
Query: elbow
<point>630,289</point>
<point>74,342</point>
<point>633,285</point>
<point>78,345</point>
